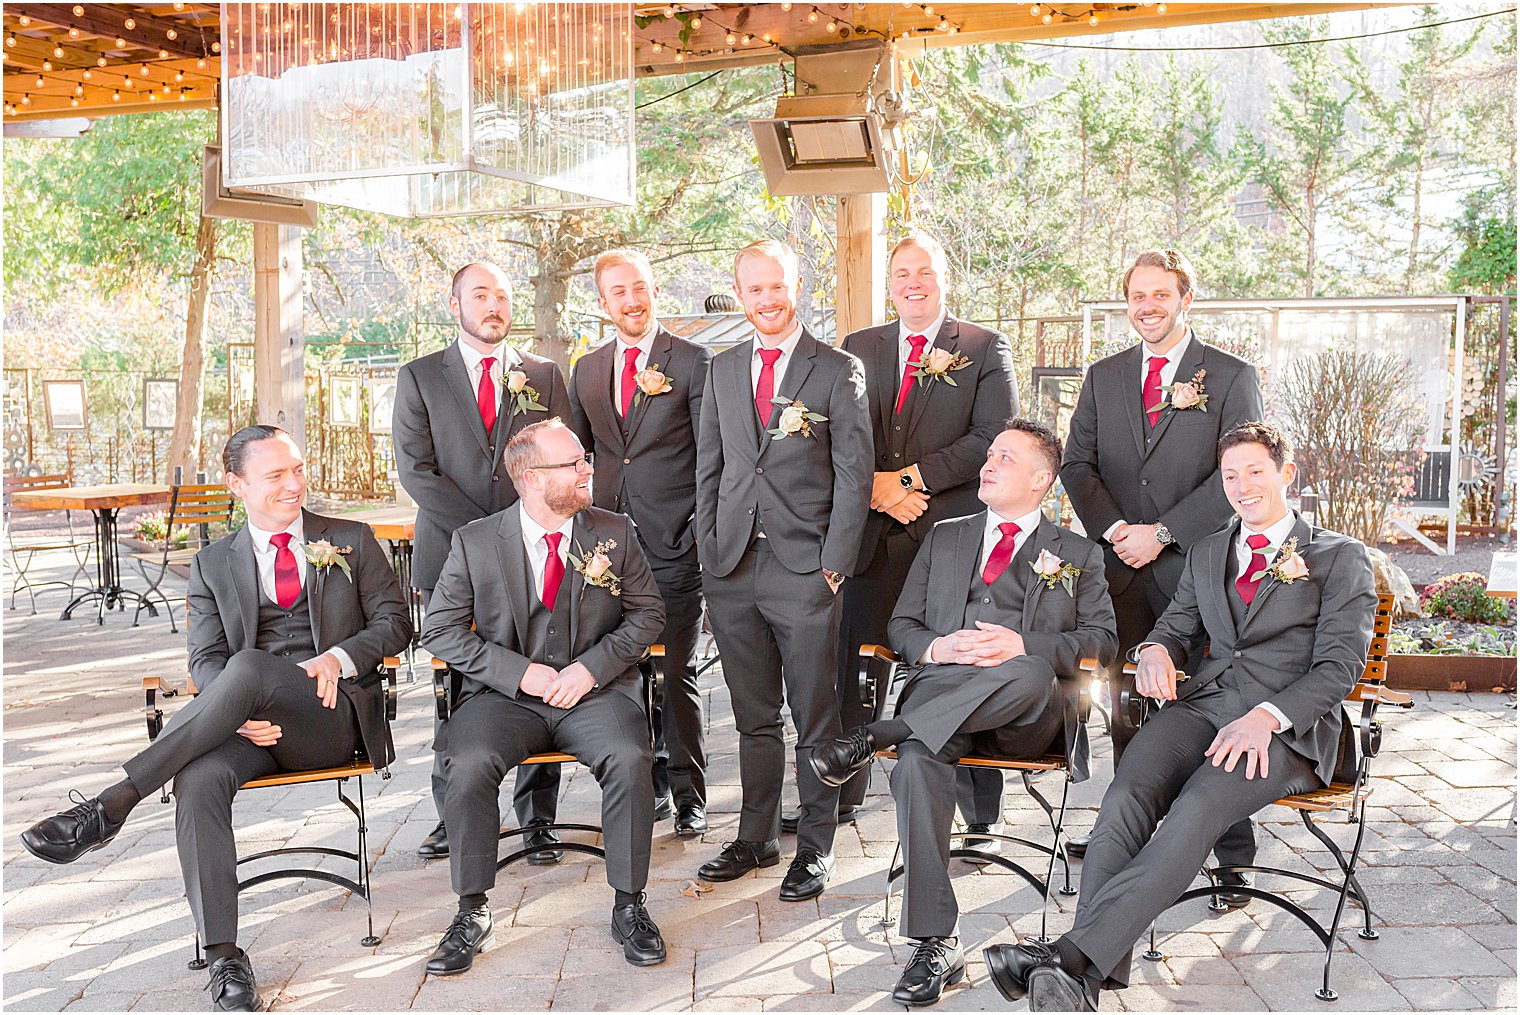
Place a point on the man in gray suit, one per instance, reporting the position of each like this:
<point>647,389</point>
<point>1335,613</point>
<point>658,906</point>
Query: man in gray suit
<point>1286,610</point>
<point>1141,468</point>
<point>455,410</point>
<point>285,649</point>
<point>637,402</point>
<point>783,486</point>
<point>931,429</point>
<point>998,611</point>
<point>545,610</point>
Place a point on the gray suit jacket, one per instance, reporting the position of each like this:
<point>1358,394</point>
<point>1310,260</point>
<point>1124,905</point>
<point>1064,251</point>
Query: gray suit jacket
<point>1116,468</point>
<point>477,621</point>
<point>445,459</point>
<point>366,617</point>
<point>651,474</point>
<point>1302,646</point>
<point>1058,628</point>
<point>945,428</point>
<point>810,494</point>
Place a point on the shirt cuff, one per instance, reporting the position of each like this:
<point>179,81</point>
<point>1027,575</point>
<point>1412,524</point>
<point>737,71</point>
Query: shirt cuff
<point>1109,534</point>
<point>918,478</point>
<point>1283,725</point>
<point>1134,653</point>
<point>350,671</point>
<point>928,656</point>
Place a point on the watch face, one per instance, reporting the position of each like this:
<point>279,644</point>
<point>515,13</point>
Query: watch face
<point>906,481</point>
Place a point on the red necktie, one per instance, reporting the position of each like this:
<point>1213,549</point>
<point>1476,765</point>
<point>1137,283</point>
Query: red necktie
<point>630,380</point>
<point>554,569</point>
<point>917,342</point>
<point>485,394</point>
<point>1150,392</point>
<point>287,579</point>
<point>1244,585</point>
<point>1002,553</point>
<point>765,388</point>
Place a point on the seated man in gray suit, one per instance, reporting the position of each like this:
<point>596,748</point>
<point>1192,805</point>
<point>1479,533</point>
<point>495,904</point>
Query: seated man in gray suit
<point>285,651</point>
<point>997,613</point>
<point>545,609</point>
<point>1286,609</point>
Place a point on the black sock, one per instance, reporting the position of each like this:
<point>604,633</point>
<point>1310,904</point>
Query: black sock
<point>469,902</point>
<point>221,951</point>
<point>1076,962</point>
<point>889,732</point>
<point>622,898</point>
<point>118,800</point>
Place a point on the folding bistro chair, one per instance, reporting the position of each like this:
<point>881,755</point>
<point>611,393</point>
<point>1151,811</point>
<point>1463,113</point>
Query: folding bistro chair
<point>22,550</point>
<point>193,510</point>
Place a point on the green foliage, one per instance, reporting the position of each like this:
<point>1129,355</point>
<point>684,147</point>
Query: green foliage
<point>1440,640</point>
<point>1486,263</point>
<point>1462,597</point>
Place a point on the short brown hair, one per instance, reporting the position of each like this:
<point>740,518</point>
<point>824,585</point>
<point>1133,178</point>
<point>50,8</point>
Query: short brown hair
<point>522,450</point>
<point>1174,261</point>
<point>619,255</point>
<point>1265,434</point>
<point>1044,437</point>
<point>767,248</point>
<point>235,452</point>
<point>924,242</point>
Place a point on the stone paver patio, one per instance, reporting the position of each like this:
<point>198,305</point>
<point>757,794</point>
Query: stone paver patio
<point>112,932</point>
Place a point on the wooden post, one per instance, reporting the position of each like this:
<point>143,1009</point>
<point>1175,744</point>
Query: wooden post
<point>279,339</point>
<point>860,257</point>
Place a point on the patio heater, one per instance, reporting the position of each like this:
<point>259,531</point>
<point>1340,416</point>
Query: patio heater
<point>427,109</point>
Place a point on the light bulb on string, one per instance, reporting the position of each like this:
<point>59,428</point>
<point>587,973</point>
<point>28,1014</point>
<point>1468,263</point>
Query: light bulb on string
<point>25,21</point>
<point>78,11</point>
<point>832,26</point>
<point>129,24</point>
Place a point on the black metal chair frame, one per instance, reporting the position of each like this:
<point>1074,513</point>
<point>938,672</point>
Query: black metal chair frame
<point>879,671</point>
<point>357,769</point>
<point>447,684</point>
<point>21,553</point>
<point>1350,797</point>
<point>198,501</point>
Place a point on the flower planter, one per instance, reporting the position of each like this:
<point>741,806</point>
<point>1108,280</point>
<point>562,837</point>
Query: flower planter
<point>1451,672</point>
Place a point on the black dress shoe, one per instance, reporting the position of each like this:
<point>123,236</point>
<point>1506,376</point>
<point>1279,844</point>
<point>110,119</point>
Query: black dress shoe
<point>1076,849</point>
<point>1234,900</point>
<point>972,841</point>
<point>542,840</point>
<point>66,837</point>
<point>1010,965</point>
<point>739,858</point>
<point>1052,988</point>
<point>691,820</point>
<point>436,844</point>
<point>807,875</point>
<point>664,809</point>
<point>842,757</point>
<point>471,932</point>
<point>937,963</point>
<point>642,943</point>
<point>232,987</point>
<point>789,821</point>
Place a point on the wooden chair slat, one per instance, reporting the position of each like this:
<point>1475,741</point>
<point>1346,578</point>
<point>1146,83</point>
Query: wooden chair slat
<point>315,775</point>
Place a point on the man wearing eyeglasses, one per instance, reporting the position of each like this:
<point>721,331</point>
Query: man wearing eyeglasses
<point>545,610</point>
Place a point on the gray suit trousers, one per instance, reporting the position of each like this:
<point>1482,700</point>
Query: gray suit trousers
<point>1135,870</point>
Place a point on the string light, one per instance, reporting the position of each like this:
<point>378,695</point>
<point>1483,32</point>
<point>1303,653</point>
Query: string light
<point>1161,8</point>
<point>41,83</point>
<point>730,38</point>
<point>1047,19</point>
<point>47,65</point>
<point>10,40</point>
<point>88,73</point>
<point>696,22</point>
<point>58,52</point>
<point>142,69</point>
<point>79,89</point>
<point>786,7</point>
<point>73,101</point>
<point>26,100</point>
<point>100,61</point>
<point>171,35</point>
<point>746,39</point>
<point>121,43</point>
<point>832,26</point>
<point>201,63</point>
<point>25,20</point>
<point>179,6</point>
<point>78,11</point>
<point>179,75</point>
<point>1034,11</point>
<point>813,16</point>
<point>1093,19</point>
<point>163,54</point>
<point>129,24</point>
<point>115,96</point>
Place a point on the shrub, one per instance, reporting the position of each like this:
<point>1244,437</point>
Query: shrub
<point>1461,597</point>
<point>153,528</point>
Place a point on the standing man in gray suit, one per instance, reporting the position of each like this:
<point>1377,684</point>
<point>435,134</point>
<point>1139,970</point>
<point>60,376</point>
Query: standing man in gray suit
<point>455,411</point>
<point>285,650</point>
<point>545,610</point>
<point>997,613</point>
<point>783,487</point>
<point>1285,609</point>
<point>637,402</point>
<point>938,390</point>
<point>1141,468</point>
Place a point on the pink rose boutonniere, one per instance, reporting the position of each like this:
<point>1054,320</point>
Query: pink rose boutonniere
<point>651,382</point>
<point>1287,567</point>
<point>1186,395</point>
<point>1054,571</point>
<point>596,566</point>
<point>938,365</point>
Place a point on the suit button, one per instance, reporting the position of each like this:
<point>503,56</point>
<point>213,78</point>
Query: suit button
<point>628,461</point>
<point>751,510</point>
<point>898,427</point>
<point>897,454</point>
<point>551,630</point>
<point>493,449</point>
<point>496,479</point>
<point>1149,439</point>
<point>1145,482</point>
<point>1237,653</point>
<point>986,600</point>
<point>759,471</point>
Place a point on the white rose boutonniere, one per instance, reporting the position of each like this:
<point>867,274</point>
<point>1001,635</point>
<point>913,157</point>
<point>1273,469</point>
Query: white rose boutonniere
<point>1054,571</point>
<point>938,365</point>
<point>1287,567</point>
<point>524,396</point>
<point>323,555</point>
<point>596,567</point>
<point>796,418</point>
<point>651,382</point>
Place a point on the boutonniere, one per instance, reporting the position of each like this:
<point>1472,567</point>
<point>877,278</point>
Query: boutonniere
<point>323,555</point>
<point>1186,395</point>
<point>651,382</point>
<point>939,364</point>
<point>524,396</point>
<point>1287,567</point>
<point>795,418</point>
<point>596,566</point>
<point>1053,570</point>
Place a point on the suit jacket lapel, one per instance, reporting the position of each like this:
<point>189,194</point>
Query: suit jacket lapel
<point>744,390</point>
<point>598,366</point>
<point>888,378</point>
<point>244,568</point>
<point>788,386</point>
<point>659,353</point>
<point>1190,364</point>
<point>581,536</point>
<point>1129,365</point>
<point>1300,531</point>
<point>968,554</point>
<point>457,377</point>
<point>316,578</point>
<point>1219,572</point>
<point>1043,538</point>
<point>919,395</point>
<point>516,576</point>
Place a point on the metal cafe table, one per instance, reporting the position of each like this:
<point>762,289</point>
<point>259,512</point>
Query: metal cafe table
<point>103,501</point>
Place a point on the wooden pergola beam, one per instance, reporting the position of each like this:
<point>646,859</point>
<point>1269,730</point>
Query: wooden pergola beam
<point>108,21</point>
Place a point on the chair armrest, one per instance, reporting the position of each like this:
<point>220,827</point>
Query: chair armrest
<point>874,676</point>
<point>879,652</point>
<point>1380,694</point>
<point>152,688</point>
<point>389,667</point>
<point>441,679</point>
<point>656,651</point>
<point>1088,665</point>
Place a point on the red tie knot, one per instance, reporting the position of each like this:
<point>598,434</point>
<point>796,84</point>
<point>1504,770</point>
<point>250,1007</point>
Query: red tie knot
<point>1257,541</point>
<point>553,538</point>
<point>917,342</point>
<point>486,363</point>
<point>280,540</point>
<point>1010,529</point>
<point>770,356</point>
<point>630,356</point>
<point>1157,364</point>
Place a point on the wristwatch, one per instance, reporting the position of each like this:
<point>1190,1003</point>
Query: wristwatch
<point>905,478</point>
<point>1164,535</point>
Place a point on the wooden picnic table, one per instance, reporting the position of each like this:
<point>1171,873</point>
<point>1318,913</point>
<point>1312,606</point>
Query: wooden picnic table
<point>103,501</point>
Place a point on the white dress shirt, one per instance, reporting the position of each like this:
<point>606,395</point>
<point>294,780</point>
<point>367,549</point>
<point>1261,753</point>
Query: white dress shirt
<point>991,535</point>
<point>1168,375</point>
<point>904,350</point>
<point>507,358</point>
<point>788,346</point>
<point>263,555</point>
<point>538,549</point>
<point>639,363</point>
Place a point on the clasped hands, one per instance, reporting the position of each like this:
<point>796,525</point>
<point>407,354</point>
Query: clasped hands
<point>889,496</point>
<point>326,670</point>
<point>559,688</point>
<point>1248,738</point>
<point>1136,545</point>
<point>987,645</point>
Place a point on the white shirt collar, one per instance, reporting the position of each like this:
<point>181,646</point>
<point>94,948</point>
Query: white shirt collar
<point>930,332</point>
<point>297,530</point>
<point>1276,533</point>
<point>506,356</point>
<point>533,533</point>
<point>788,345</point>
<point>1173,356</point>
<point>643,345</point>
<point>1026,523</point>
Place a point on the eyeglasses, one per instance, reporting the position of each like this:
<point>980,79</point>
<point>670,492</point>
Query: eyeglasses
<point>588,460</point>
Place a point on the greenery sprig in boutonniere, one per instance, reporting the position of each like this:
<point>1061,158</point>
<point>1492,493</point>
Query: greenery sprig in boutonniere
<point>596,566</point>
<point>1287,567</point>
<point>1187,395</point>
<point>796,418</point>
<point>524,396</point>
<point>323,555</point>
<point>651,382</point>
<point>938,365</point>
<point>1054,571</point>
